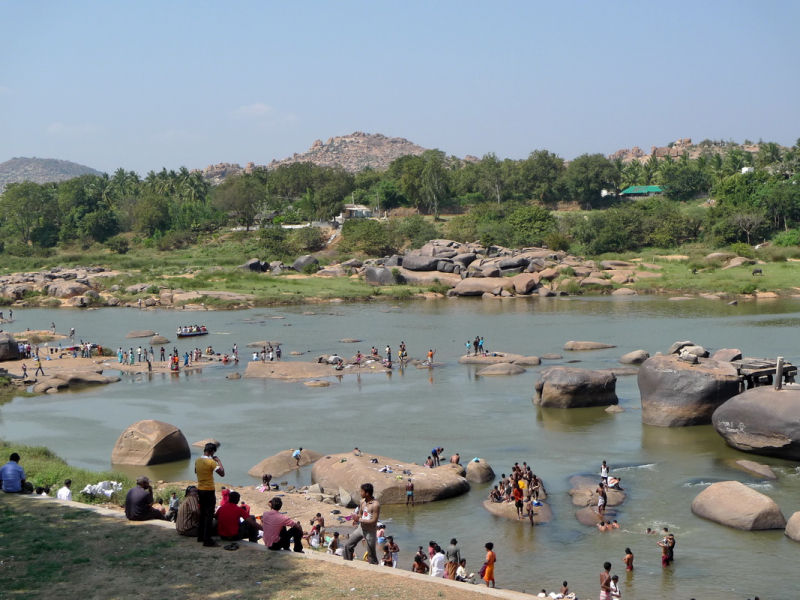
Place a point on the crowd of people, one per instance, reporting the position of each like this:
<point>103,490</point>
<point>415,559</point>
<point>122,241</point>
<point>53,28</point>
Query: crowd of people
<point>267,353</point>
<point>190,329</point>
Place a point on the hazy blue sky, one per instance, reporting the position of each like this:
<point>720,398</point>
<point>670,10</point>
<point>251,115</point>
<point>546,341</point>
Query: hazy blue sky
<point>149,84</point>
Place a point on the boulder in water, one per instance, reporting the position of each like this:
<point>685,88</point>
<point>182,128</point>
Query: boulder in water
<point>158,340</point>
<point>564,387</point>
<point>734,504</point>
<point>501,369</point>
<point>150,442</point>
<point>141,334</point>
<point>282,463</point>
<point>577,346</point>
<point>636,357</point>
<point>202,443</point>
<point>479,471</point>
<point>762,420</point>
<point>792,530</point>
<point>676,393</point>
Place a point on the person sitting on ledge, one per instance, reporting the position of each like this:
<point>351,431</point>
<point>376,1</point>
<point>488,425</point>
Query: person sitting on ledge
<point>13,477</point>
<point>233,522</point>
<point>280,530</point>
<point>139,502</point>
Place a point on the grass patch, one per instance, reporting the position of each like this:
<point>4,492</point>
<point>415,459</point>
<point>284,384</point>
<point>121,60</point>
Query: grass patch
<point>45,468</point>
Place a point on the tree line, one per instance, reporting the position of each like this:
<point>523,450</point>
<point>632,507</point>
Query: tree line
<point>507,202</point>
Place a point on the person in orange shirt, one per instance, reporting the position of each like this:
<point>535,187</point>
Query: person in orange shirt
<point>491,559</point>
<point>517,494</point>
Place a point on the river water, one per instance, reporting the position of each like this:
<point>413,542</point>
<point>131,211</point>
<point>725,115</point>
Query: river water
<point>405,414</point>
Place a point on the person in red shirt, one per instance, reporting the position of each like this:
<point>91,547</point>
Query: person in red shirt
<point>517,494</point>
<point>280,530</point>
<point>233,522</point>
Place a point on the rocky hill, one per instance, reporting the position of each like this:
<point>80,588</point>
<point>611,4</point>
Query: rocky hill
<point>677,148</point>
<point>353,152</point>
<point>40,170</point>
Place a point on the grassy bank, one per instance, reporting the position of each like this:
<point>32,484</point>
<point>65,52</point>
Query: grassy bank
<point>45,468</point>
<point>51,551</point>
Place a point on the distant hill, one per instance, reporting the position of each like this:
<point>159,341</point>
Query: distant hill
<point>353,152</point>
<point>40,170</point>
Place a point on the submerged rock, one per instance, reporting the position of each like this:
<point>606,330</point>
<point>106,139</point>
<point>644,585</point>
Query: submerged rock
<point>734,504</point>
<point>150,442</point>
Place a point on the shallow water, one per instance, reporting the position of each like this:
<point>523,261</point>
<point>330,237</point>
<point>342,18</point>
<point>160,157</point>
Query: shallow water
<point>405,414</point>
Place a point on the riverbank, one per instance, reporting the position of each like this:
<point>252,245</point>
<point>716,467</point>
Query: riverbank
<point>57,550</point>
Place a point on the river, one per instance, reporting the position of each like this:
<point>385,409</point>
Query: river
<point>405,414</point>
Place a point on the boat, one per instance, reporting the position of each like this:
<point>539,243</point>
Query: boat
<point>187,332</point>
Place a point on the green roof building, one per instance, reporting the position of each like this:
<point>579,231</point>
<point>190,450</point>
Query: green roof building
<point>642,190</point>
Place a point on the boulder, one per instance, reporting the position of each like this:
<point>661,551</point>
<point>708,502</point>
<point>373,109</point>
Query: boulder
<point>158,340</point>
<point>253,264</point>
<point>676,393</point>
<point>348,472</point>
<point>234,376</point>
<point>563,387</point>
<point>763,421</point>
<point>149,443</point>
<point>282,463</point>
<point>304,261</point>
<point>83,377</point>
<point>738,262</point>
<point>525,283</point>
<point>66,289</point>
<point>548,274</point>
<point>9,347</point>
<point>616,408</point>
<point>636,357</point>
<point>755,468</point>
<point>479,471</point>
<point>528,361</point>
<point>514,262</point>
<point>490,359</point>
<point>734,504</point>
<point>465,259</point>
<point>719,256</point>
<point>678,346</point>
<point>414,262</point>
<point>695,350</point>
<point>576,346</point>
<point>595,281</point>
<point>202,443</point>
<point>491,271</point>
<point>378,276</point>
<point>346,500</point>
<point>501,369</point>
<point>317,383</point>
<point>507,510</point>
<point>610,265</point>
<point>331,271</point>
<point>624,292</point>
<point>545,292</point>
<point>478,286</point>
<point>353,263</point>
<point>793,527</point>
<point>727,355</point>
<point>112,302</point>
<point>393,261</point>
<point>551,356</point>
<point>583,492</point>
<point>140,334</point>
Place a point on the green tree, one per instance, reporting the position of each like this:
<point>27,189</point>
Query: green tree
<point>23,205</point>
<point>539,177</point>
<point>242,197</point>
<point>491,182</point>
<point>587,176</point>
<point>434,181</point>
<point>684,181</point>
<point>151,214</point>
<point>530,225</point>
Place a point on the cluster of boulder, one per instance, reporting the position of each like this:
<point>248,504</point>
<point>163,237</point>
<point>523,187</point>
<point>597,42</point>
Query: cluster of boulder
<point>62,380</point>
<point>73,285</point>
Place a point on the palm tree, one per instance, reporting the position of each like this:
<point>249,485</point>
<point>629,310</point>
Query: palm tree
<point>717,167</point>
<point>632,175</point>
<point>734,161</point>
<point>769,154</point>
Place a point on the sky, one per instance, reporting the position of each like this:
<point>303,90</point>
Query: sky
<point>144,85</point>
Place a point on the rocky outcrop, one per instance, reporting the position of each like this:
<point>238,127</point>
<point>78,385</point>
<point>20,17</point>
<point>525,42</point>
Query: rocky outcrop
<point>66,289</point>
<point>792,530</point>
<point>474,286</point>
<point>636,357</point>
<point>9,347</point>
<point>563,387</point>
<point>507,510</point>
<point>676,393</point>
<point>734,504</point>
<point>149,443</point>
<point>420,263</point>
<point>577,346</point>
<point>479,471</point>
<point>61,380</point>
<point>501,369</point>
<point>763,421</point>
<point>349,472</point>
<point>378,276</point>
<point>282,463</point>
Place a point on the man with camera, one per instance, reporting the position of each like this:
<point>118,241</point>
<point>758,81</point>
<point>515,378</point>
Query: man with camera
<point>139,502</point>
<point>205,467</point>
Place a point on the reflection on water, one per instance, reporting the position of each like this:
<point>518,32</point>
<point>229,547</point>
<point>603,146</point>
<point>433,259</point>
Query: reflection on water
<point>406,413</point>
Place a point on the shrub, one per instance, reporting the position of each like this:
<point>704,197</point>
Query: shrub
<point>742,249</point>
<point>367,236</point>
<point>118,244</point>
<point>787,238</point>
<point>557,241</point>
<point>438,287</point>
<point>306,239</point>
<point>398,276</point>
<point>748,288</point>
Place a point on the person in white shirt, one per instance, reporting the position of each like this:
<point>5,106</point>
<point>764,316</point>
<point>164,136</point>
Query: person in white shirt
<point>437,563</point>
<point>65,493</point>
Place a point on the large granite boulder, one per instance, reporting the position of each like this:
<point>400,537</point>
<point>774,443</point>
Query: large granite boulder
<point>734,504</point>
<point>478,286</point>
<point>525,283</point>
<point>149,443</point>
<point>253,264</point>
<point>66,289</point>
<point>414,262</point>
<point>348,471</point>
<point>792,530</point>
<point>305,261</point>
<point>676,393</point>
<point>501,369</point>
<point>9,347</point>
<point>727,355</point>
<point>563,387</point>
<point>763,421</point>
<point>528,361</point>
<point>282,463</point>
<point>479,471</point>
<point>576,346</point>
<point>378,276</point>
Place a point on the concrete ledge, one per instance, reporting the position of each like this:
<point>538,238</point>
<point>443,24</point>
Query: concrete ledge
<point>308,555</point>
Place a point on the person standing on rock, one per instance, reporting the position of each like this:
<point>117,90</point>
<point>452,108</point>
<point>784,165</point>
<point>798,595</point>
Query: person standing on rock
<point>410,492</point>
<point>366,521</point>
<point>480,346</point>
<point>468,345</point>
<point>602,499</point>
<point>205,467</point>
<point>604,473</point>
<point>475,343</point>
<point>605,582</point>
